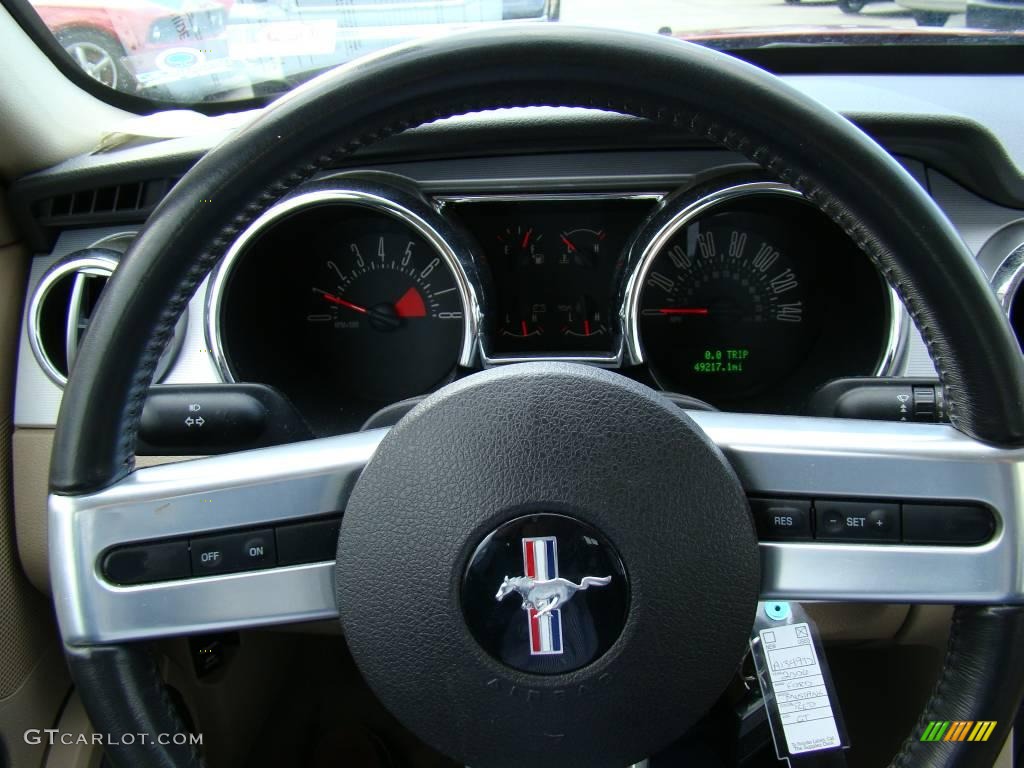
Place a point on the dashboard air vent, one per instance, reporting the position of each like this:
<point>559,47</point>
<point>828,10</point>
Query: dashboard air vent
<point>109,203</point>
<point>62,306</point>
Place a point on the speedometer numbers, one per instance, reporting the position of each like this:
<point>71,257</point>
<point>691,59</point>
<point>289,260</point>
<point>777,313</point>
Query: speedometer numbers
<point>723,308</point>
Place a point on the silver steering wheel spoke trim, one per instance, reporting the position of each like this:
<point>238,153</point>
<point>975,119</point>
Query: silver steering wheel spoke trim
<point>772,455</point>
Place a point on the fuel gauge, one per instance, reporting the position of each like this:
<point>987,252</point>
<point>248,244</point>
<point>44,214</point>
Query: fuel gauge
<point>522,246</point>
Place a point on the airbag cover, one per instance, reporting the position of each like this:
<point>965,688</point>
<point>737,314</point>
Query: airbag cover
<point>567,440</point>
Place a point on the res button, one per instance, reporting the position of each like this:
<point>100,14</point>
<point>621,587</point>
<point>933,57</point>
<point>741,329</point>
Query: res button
<point>782,518</point>
<point>857,520</point>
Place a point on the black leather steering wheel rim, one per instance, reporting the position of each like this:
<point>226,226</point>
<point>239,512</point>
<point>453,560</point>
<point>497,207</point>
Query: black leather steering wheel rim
<point>706,94</point>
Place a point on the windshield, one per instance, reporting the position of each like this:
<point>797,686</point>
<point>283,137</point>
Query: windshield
<point>195,51</point>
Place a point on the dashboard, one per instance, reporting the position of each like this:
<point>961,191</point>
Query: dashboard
<point>493,239</point>
<point>359,291</point>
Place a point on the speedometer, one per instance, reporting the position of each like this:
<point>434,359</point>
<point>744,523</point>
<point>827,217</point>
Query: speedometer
<point>725,308</point>
<point>750,298</point>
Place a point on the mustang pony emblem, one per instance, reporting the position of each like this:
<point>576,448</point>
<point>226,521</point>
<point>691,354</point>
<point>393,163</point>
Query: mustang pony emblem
<point>544,596</point>
<point>543,592</point>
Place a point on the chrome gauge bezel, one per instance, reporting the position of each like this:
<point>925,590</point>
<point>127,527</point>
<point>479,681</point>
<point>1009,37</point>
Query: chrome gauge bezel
<point>1009,277</point>
<point>665,223</point>
<point>612,359</point>
<point>406,207</point>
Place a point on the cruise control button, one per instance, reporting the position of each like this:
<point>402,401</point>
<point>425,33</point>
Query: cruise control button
<point>146,563</point>
<point>782,518</point>
<point>207,557</point>
<point>857,520</point>
<point>947,524</point>
<point>308,542</point>
<point>232,552</point>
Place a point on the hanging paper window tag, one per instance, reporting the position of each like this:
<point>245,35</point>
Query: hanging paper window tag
<point>795,681</point>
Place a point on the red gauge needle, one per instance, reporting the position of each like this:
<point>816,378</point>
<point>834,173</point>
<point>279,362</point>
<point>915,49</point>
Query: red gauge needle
<point>526,238</point>
<point>568,244</point>
<point>683,311</point>
<point>342,302</point>
<point>586,327</point>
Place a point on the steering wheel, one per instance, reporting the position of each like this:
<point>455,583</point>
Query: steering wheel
<point>492,461</point>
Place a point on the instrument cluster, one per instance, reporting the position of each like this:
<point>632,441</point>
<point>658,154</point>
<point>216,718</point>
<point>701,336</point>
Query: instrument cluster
<point>359,291</point>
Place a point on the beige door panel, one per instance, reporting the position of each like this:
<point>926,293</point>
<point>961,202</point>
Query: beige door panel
<point>33,679</point>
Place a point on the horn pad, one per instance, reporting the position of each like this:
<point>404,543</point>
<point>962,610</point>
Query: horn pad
<point>545,594</point>
<point>502,462</point>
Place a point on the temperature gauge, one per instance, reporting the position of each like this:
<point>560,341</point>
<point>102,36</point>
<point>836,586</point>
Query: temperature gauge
<point>582,320</point>
<point>525,324</point>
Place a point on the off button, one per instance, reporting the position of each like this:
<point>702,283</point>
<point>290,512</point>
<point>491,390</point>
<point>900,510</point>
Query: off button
<point>856,520</point>
<point>233,552</point>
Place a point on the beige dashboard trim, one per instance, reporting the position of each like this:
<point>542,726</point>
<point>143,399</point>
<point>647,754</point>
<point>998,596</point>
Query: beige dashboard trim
<point>32,448</point>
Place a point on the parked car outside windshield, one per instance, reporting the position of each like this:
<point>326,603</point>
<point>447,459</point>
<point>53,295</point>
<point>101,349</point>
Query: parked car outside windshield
<point>196,51</point>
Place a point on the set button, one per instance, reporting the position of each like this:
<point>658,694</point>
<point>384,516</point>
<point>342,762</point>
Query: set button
<point>857,520</point>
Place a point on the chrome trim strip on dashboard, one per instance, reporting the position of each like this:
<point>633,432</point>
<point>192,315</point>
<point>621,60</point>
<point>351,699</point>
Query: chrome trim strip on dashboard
<point>600,361</point>
<point>772,455</point>
<point>119,241</point>
<point>344,195</point>
<point>630,310</point>
<point>546,197</point>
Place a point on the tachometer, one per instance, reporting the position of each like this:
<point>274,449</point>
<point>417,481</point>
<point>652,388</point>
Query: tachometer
<point>382,298</point>
<point>345,301</point>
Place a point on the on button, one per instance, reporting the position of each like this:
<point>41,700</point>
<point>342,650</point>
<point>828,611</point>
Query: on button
<point>233,552</point>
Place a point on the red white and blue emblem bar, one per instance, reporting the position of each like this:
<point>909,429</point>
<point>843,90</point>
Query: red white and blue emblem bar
<point>540,563</point>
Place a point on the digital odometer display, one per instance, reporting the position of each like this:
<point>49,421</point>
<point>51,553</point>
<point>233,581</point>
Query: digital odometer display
<point>721,361</point>
<point>555,267</point>
<point>746,304</point>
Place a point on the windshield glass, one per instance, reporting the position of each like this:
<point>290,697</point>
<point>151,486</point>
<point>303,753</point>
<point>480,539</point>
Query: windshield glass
<point>194,51</point>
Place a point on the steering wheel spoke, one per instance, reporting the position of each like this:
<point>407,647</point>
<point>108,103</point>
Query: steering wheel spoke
<point>262,490</point>
<point>896,463</point>
<point>777,456</point>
